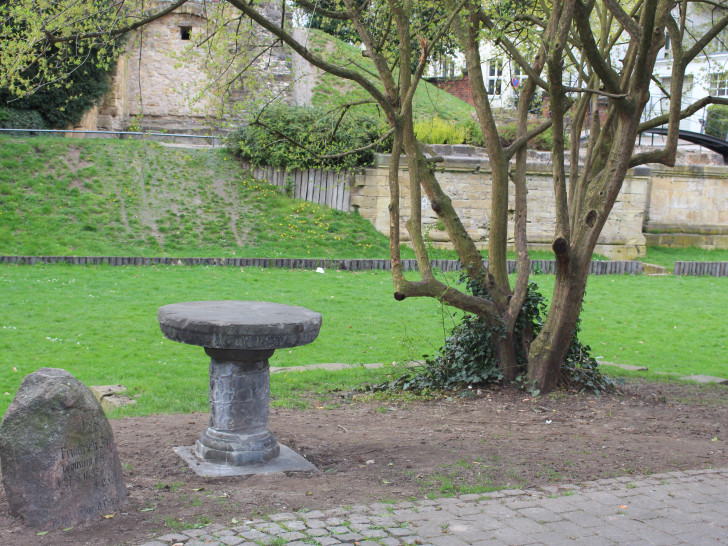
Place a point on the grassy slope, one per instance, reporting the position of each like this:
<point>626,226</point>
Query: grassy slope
<point>108,197</point>
<point>429,101</point>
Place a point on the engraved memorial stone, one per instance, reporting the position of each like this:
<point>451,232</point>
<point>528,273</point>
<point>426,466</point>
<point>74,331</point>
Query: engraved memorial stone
<point>59,461</point>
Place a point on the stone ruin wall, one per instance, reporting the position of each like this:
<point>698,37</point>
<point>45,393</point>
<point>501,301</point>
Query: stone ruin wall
<point>147,82</point>
<point>655,193</point>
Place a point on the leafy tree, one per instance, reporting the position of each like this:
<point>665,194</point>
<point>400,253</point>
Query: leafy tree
<point>612,45</point>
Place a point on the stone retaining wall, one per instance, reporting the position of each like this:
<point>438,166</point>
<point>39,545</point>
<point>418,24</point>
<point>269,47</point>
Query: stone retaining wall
<point>467,181</point>
<point>688,206</point>
<point>690,197</point>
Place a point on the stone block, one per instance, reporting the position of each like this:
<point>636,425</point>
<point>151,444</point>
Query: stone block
<point>59,461</point>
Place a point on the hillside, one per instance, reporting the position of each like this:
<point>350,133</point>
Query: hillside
<point>327,90</point>
<point>108,197</point>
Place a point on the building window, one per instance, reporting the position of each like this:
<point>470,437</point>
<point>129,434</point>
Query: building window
<point>719,84</point>
<point>495,77</point>
<point>185,33</point>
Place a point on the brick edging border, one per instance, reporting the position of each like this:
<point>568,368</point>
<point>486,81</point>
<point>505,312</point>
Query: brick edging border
<point>542,266</point>
<point>617,267</point>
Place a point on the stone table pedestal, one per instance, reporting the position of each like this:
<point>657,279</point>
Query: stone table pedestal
<point>239,337</point>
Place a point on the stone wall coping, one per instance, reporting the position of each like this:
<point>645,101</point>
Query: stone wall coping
<point>537,163</point>
<point>464,157</point>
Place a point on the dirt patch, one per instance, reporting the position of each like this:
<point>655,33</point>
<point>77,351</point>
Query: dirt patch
<point>73,161</point>
<point>374,451</point>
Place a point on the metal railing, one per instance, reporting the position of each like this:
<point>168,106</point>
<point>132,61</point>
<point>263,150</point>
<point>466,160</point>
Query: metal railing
<point>214,139</point>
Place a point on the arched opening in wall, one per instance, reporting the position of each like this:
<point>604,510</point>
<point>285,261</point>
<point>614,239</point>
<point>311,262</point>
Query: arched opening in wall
<point>185,33</point>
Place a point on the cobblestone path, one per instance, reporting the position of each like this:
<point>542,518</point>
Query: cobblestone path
<point>676,508</point>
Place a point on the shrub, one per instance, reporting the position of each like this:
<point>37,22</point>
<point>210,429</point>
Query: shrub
<point>716,121</point>
<point>319,133</point>
<point>12,118</point>
<point>542,142</point>
<point>440,131</point>
<point>508,131</point>
<point>469,357</point>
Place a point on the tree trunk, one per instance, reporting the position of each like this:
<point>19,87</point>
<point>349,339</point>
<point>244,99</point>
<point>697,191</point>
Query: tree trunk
<point>548,350</point>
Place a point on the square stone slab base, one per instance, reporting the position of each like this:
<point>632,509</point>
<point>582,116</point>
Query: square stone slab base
<point>287,461</point>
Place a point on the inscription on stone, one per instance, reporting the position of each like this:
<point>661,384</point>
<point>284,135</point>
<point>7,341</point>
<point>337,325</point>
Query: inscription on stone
<point>59,462</point>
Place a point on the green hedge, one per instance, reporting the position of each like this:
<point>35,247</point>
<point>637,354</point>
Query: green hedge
<point>318,131</point>
<point>716,122</point>
<point>12,118</point>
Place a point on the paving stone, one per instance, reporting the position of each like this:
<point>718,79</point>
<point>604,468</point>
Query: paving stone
<point>447,541</point>
<point>291,536</point>
<point>582,518</point>
<point>399,531</point>
<point>270,528</point>
<point>254,535</point>
<point>349,537</point>
<point>373,533</point>
<point>317,532</point>
<point>313,514</point>
<point>327,541</point>
<point>173,537</point>
<point>539,514</point>
<point>383,521</point>
<point>338,530</point>
<point>389,541</point>
<point>195,532</point>
<point>297,525</point>
<point>232,540</point>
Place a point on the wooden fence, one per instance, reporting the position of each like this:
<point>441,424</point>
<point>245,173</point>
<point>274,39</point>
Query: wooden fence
<point>315,185</point>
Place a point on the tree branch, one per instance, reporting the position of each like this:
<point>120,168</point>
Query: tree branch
<point>318,10</point>
<point>606,74</point>
<point>629,24</point>
<point>116,32</point>
<point>331,68</point>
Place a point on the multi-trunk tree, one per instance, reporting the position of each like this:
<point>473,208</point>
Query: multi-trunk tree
<point>610,45</point>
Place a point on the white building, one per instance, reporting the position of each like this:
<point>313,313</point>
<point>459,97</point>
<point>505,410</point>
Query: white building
<point>706,75</point>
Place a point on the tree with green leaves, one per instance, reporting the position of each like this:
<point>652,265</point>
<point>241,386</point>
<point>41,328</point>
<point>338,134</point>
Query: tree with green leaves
<point>611,44</point>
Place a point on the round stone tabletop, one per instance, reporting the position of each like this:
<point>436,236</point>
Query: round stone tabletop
<point>240,325</point>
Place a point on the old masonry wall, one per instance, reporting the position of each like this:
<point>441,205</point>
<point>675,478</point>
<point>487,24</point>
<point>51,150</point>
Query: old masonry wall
<point>687,196</point>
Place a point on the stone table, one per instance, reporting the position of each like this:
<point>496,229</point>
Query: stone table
<point>239,337</point>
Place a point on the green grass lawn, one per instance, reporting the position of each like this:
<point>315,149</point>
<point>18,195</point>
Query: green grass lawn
<point>99,323</point>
